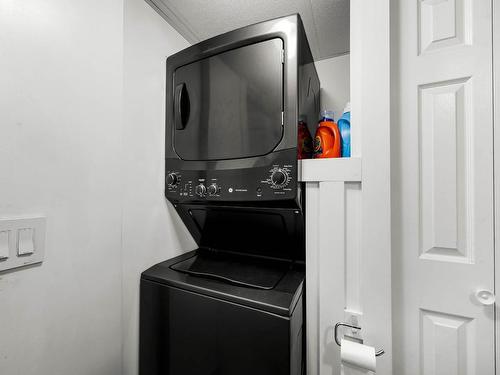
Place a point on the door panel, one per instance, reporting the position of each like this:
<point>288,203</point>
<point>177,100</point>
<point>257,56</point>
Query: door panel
<point>445,202</point>
<point>447,343</point>
<point>442,187</point>
<point>230,104</point>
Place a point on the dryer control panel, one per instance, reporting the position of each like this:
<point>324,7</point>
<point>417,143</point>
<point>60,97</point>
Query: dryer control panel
<point>252,184</point>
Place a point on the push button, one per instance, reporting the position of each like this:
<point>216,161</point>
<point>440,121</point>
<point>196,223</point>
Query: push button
<point>25,242</point>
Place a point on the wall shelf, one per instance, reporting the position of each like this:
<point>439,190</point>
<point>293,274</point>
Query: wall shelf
<point>333,169</point>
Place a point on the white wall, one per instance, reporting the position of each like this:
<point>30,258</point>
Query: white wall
<point>60,155</point>
<point>334,75</point>
<point>152,231</point>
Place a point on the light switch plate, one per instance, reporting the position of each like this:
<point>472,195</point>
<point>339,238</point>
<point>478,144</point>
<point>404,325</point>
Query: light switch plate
<point>25,242</point>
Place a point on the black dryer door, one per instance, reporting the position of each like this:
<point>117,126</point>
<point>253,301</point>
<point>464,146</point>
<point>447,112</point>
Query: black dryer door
<point>230,105</point>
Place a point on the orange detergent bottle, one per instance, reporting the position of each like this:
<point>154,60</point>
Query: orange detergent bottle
<point>327,142</point>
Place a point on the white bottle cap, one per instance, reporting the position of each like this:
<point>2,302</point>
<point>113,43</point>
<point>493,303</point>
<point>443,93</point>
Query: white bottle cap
<point>347,107</point>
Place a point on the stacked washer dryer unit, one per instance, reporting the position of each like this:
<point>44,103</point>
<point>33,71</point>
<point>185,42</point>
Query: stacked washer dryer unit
<point>235,305</point>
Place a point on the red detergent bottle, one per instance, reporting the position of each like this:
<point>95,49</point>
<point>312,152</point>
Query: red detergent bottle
<point>304,141</point>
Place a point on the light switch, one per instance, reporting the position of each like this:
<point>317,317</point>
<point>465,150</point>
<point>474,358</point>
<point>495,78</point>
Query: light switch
<point>22,241</point>
<point>25,241</point>
<point>4,244</point>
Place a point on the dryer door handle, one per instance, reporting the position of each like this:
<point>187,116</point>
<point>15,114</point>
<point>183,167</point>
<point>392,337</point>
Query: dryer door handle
<point>181,106</point>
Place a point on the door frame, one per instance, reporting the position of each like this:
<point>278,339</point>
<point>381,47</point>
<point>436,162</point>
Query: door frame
<point>371,120</point>
<point>496,166</point>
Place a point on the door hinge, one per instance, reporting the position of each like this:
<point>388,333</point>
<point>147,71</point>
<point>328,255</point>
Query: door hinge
<point>282,56</point>
<point>282,118</point>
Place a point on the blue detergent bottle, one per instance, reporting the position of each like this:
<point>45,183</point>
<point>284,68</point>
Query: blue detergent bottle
<point>344,124</point>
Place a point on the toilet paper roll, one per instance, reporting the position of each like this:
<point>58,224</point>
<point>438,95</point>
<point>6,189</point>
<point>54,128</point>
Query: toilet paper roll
<point>357,355</point>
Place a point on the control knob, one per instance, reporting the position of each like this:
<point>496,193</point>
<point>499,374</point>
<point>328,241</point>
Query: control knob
<point>213,189</point>
<point>279,177</point>
<point>172,179</point>
<point>200,190</point>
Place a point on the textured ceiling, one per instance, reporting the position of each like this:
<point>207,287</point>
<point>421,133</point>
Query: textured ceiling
<point>326,21</point>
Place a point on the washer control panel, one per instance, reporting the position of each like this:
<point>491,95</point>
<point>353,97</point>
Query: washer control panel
<point>252,184</point>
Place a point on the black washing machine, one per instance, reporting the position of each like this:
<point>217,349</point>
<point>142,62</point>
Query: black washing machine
<point>204,313</point>
<point>235,305</point>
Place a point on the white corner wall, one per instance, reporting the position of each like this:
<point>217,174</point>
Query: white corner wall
<point>334,75</point>
<point>82,111</point>
<point>152,232</point>
<point>60,155</point>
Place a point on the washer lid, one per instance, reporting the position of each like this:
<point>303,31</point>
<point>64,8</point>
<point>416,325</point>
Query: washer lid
<point>234,269</point>
<point>281,299</point>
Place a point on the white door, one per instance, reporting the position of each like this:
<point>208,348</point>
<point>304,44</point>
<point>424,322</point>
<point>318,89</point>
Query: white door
<point>442,187</point>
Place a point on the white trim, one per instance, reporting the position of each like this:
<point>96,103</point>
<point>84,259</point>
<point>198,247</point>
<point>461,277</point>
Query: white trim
<point>370,124</point>
<point>312,288</point>
<point>496,164</point>
<point>325,273</point>
<point>173,19</point>
<point>333,169</point>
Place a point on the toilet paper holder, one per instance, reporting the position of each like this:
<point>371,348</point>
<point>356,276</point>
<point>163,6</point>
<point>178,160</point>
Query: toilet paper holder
<point>378,353</point>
